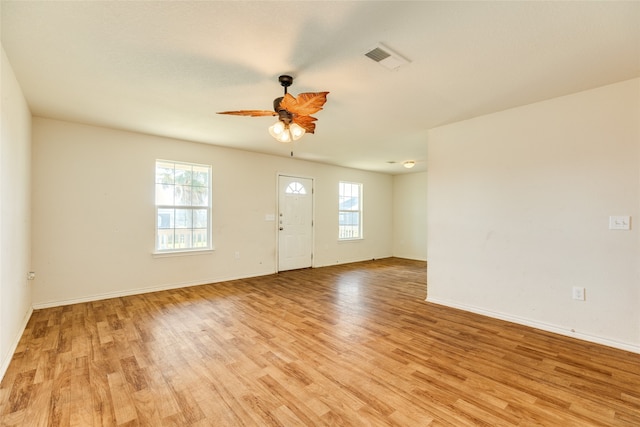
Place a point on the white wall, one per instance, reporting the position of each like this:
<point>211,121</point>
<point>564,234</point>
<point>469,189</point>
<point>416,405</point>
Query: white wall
<point>15,236</point>
<point>410,216</point>
<point>93,213</point>
<point>518,207</point>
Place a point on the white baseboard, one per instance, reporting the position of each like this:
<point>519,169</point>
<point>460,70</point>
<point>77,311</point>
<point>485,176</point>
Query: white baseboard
<point>539,325</point>
<point>6,358</point>
<point>350,261</point>
<point>138,291</point>
<point>163,287</point>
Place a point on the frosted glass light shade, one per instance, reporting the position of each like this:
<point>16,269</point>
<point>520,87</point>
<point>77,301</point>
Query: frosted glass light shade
<point>284,136</point>
<point>286,133</point>
<point>277,129</point>
<point>296,130</point>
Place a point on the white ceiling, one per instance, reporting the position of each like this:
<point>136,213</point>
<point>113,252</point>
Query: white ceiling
<point>165,68</point>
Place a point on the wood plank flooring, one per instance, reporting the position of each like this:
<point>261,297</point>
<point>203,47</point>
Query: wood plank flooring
<point>348,345</point>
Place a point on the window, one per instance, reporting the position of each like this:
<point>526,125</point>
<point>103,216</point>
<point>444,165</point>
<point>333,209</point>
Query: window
<point>295,188</point>
<point>183,206</point>
<point>350,211</point>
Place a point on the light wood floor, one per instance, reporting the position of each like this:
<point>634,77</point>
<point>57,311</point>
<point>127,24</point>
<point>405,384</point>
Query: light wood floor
<point>348,345</point>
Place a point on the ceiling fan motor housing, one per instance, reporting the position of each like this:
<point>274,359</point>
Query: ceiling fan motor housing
<point>283,114</point>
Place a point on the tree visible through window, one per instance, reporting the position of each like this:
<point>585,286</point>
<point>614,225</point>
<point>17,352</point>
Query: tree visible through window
<point>183,206</point>
<point>350,211</point>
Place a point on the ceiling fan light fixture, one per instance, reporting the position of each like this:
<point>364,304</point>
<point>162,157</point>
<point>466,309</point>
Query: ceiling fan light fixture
<point>280,132</point>
<point>284,137</point>
<point>286,133</point>
<point>277,129</point>
<point>409,164</point>
<point>296,130</point>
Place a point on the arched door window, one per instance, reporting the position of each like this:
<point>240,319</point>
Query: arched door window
<point>295,188</point>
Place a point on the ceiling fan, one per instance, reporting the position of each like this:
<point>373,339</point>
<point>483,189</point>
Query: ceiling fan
<point>294,113</point>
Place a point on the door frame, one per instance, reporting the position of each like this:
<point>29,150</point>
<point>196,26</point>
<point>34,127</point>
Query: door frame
<point>313,215</point>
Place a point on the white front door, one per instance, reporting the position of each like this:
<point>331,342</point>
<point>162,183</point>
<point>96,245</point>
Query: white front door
<point>295,222</point>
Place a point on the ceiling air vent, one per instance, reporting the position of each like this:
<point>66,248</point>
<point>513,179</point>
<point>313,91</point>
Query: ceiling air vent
<point>386,57</point>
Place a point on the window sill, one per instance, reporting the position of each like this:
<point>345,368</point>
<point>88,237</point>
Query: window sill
<point>191,252</point>
<point>355,239</point>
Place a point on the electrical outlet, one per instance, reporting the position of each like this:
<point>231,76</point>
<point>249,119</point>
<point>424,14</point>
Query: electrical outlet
<point>237,254</point>
<point>578,293</point>
<point>31,275</point>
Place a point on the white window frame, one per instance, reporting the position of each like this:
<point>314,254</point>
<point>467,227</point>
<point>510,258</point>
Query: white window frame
<point>163,205</point>
<point>342,235</point>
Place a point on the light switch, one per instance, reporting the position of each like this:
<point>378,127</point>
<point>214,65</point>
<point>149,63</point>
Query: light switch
<point>619,222</point>
<point>269,217</point>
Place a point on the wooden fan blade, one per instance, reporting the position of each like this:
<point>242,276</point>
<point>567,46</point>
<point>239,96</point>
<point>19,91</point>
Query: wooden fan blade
<point>305,104</point>
<point>286,100</point>
<point>306,122</point>
<point>252,113</point>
